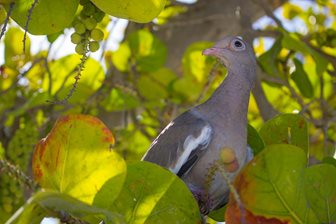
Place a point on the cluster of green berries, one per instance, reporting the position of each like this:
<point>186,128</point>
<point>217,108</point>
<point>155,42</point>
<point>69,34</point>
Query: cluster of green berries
<point>86,35</point>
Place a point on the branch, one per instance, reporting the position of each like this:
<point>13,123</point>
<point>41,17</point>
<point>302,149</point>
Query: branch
<point>17,173</point>
<point>3,30</point>
<point>30,12</point>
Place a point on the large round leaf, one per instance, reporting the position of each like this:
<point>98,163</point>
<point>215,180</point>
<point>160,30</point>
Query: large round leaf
<point>48,16</point>
<point>320,188</point>
<point>286,128</point>
<point>270,188</point>
<point>46,203</point>
<point>138,11</point>
<point>76,157</point>
<point>150,194</point>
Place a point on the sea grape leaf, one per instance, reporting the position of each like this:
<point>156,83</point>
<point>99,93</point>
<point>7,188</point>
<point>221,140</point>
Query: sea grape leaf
<point>150,194</point>
<point>254,140</point>
<point>286,128</point>
<point>320,189</point>
<point>138,11</point>
<point>47,17</point>
<point>148,51</point>
<point>270,188</point>
<point>300,77</point>
<point>76,157</point>
<point>268,59</point>
<point>14,55</point>
<point>48,203</point>
<point>292,42</point>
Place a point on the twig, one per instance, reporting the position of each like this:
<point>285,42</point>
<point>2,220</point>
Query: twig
<point>30,12</point>
<point>17,173</point>
<point>234,193</point>
<point>3,30</point>
<point>77,77</point>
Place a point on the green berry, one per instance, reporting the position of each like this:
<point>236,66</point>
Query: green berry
<point>93,46</point>
<point>99,15</point>
<point>97,34</point>
<point>80,49</point>
<point>76,38</point>
<point>90,23</point>
<point>80,28</point>
<point>88,9</point>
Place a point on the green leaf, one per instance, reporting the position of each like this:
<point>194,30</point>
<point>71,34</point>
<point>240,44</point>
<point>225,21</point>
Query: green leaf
<point>36,99</point>
<point>76,157</point>
<point>150,194</point>
<point>121,57</point>
<point>271,188</point>
<point>138,11</point>
<point>14,56</point>
<point>289,11</point>
<point>329,160</point>
<point>292,42</point>
<point>254,140</point>
<point>148,51</point>
<point>47,203</point>
<point>218,215</point>
<point>62,79</point>
<point>119,100</point>
<point>47,17</point>
<point>268,59</point>
<point>195,64</point>
<point>155,85</point>
<point>301,80</point>
<point>286,128</point>
<point>320,189</point>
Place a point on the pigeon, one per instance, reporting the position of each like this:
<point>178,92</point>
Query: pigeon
<point>211,138</point>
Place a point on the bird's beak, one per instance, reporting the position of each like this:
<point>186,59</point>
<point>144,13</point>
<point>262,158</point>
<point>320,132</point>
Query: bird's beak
<point>214,51</point>
<point>218,53</point>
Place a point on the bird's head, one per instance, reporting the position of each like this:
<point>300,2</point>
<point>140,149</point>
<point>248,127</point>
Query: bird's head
<point>234,53</point>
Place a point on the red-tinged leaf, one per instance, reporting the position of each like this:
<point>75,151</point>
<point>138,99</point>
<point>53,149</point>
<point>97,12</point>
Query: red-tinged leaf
<point>76,157</point>
<point>270,189</point>
<point>234,214</point>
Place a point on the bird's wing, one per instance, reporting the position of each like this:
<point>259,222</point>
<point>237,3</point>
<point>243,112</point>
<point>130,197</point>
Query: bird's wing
<point>181,143</point>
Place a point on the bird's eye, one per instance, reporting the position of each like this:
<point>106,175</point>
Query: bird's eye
<point>238,45</point>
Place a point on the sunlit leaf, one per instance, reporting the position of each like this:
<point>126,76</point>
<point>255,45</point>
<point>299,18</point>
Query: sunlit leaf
<point>195,64</point>
<point>320,189</point>
<point>76,157</point>
<point>270,188</point>
<point>148,51</point>
<point>301,80</point>
<point>119,100</point>
<point>48,16</point>
<point>286,128</point>
<point>14,55</point>
<point>121,57</point>
<point>138,11</point>
<point>156,85</point>
<point>150,194</point>
<point>290,11</point>
<point>268,59</point>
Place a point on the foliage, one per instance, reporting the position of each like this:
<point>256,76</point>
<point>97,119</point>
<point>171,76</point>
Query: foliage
<point>85,175</point>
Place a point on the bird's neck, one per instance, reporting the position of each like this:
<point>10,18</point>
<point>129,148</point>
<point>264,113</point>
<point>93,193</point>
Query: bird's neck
<point>232,97</point>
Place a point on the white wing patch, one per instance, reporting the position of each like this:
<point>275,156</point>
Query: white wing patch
<point>191,143</point>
